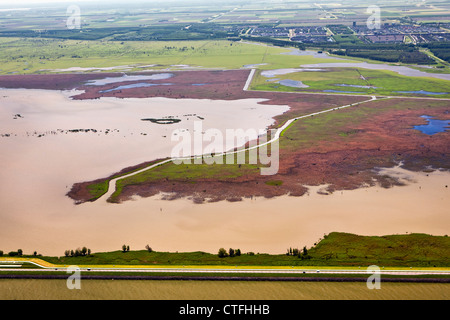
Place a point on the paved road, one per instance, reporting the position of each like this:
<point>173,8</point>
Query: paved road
<point>362,271</point>
<point>14,265</point>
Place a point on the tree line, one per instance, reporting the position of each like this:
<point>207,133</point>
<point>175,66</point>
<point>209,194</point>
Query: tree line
<point>404,56</point>
<point>440,50</point>
<point>83,252</point>
<point>17,253</point>
<point>230,253</point>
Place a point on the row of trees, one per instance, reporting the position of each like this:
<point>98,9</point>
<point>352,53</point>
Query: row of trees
<point>441,50</point>
<point>126,248</point>
<point>405,56</point>
<point>83,252</point>
<point>302,254</point>
<point>13,253</point>
<point>231,253</point>
<point>18,253</point>
<point>78,252</point>
<point>276,42</point>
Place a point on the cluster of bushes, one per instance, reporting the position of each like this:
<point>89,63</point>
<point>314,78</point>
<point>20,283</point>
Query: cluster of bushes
<point>14,253</point>
<point>302,254</point>
<point>78,252</point>
<point>18,253</point>
<point>231,253</point>
<point>416,57</point>
<point>443,54</point>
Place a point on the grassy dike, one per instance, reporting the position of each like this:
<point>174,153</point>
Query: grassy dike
<point>334,250</point>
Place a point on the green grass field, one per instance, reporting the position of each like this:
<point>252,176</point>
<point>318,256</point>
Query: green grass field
<point>40,55</point>
<point>381,82</point>
<point>34,55</point>
<point>413,249</point>
<point>190,173</point>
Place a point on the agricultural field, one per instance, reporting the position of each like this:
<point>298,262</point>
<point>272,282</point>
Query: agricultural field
<point>238,12</point>
<point>109,15</point>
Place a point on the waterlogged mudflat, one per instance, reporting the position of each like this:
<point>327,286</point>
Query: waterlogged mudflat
<point>217,290</point>
<point>339,91</point>
<point>424,92</point>
<point>293,83</point>
<point>119,138</point>
<point>355,86</point>
<point>434,126</point>
<point>127,78</point>
<point>315,54</point>
<point>136,85</point>
<point>280,72</point>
